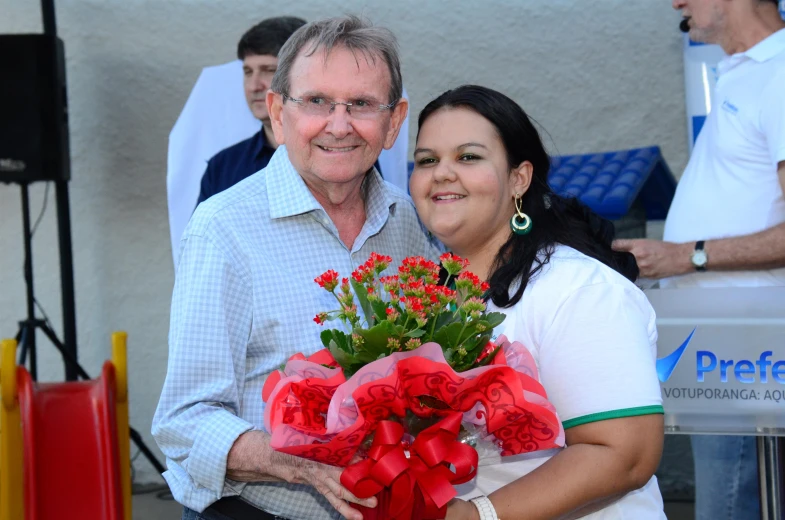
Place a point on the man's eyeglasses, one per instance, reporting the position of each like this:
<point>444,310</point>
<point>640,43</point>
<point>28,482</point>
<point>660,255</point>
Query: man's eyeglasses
<point>323,107</point>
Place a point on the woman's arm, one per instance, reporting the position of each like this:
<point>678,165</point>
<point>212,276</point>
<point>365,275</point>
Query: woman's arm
<point>603,461</point>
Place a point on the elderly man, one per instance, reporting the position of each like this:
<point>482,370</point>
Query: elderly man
<point>726,226</point>
<point>258,49</point>
<point>244,295</point>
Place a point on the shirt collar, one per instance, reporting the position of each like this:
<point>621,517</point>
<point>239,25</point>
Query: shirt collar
<point>768,48</point>
<point>379,203</point>
<point>760,52</point>
<point>288,195</point>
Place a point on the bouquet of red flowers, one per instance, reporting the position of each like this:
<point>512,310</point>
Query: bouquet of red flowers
<point>406,398</point>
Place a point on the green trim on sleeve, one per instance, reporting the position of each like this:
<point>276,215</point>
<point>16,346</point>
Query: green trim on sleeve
<point>613,414</point>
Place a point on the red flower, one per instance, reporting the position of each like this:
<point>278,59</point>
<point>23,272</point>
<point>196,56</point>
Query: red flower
<point>413,304</point>
<point>451,257</point>
<point>328,280</point>
<point>418,268</point>
<point>453,264</point>
<point>444,291</point>
<point>468,275</point>
<point>390,284</point>
<point>471,283</point>
<point>392,314</point>
<point>414,288</point>
<point>378,263</point>
<point>364,273</point>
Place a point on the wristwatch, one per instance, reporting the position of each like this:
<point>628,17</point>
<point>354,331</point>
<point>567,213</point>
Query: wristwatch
<point>485,508</point>
<point>699,257</point>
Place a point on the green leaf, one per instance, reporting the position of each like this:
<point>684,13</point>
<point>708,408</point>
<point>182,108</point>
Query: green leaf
<point>362,296</point>
<point>494,319</point>
<point>445,318</point>
<point>477,342</point>
<point>339,337</point>
<point>448,336</point>
<point>375,340</point>
<point>397,330</point>
<point>436,323</point>
<point>416,333</point>
<point>473,344</point>
<point>343,358</point>
<point>379,309</point>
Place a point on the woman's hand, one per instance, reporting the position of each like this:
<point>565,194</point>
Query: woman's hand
<point>459,509</point>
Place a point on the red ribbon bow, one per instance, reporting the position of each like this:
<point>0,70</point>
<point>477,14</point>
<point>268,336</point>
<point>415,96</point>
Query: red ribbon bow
<point>424,473</point>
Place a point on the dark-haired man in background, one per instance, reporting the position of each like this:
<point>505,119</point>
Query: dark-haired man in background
<point>258,49</point>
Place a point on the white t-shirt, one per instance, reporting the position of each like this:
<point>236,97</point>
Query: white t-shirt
<point>593,336</point>
<point>730,186</point>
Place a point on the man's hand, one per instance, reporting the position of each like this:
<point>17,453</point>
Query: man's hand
<point>657,259</point>
<point>326,479</point>
<point>251,459</point>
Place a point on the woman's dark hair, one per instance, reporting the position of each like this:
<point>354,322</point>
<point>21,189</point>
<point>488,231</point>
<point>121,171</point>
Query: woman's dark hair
<point>556,220</point>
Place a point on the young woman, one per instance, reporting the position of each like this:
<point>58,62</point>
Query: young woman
<point>480,186</point>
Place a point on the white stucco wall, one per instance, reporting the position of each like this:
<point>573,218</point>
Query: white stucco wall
<point>599,75</point>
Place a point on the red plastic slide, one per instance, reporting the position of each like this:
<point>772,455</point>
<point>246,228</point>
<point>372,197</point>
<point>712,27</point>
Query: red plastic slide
<point>69,431</point>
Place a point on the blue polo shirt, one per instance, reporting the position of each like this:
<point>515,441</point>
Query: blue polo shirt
<point>233,164</point>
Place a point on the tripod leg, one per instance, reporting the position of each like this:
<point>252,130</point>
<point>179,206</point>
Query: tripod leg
<point>66,274</point>
<point>72,365</point>
<point>146,451</point>
<point>21,341</point>
<point>28,237</point>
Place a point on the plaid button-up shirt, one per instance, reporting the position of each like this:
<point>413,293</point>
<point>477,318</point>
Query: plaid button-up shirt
<point>244,301</point>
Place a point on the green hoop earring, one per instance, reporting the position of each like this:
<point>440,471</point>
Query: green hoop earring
<point>520,223</point>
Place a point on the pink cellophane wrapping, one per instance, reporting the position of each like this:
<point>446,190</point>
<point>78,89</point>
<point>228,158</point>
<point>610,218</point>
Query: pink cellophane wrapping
<point>314,412</point>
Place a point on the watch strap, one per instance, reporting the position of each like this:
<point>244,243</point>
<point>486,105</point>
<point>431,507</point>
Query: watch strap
<point>485,507</point>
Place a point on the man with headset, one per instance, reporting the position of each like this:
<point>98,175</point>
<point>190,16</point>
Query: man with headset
<point>726,224</point>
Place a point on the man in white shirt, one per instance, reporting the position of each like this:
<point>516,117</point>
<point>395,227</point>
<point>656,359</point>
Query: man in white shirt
<point>726,224</point>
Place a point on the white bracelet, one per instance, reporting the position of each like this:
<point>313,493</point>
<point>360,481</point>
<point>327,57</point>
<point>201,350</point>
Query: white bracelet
<point>485,507</point>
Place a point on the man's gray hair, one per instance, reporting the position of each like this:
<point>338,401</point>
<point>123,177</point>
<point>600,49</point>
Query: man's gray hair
<point>350,32</point>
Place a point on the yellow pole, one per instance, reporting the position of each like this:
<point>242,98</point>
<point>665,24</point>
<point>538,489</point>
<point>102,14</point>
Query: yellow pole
<point>120,361</point>
<point>11,456</point>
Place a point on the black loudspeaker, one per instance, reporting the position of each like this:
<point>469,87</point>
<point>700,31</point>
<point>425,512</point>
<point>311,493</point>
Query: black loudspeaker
<point>33,109</point>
